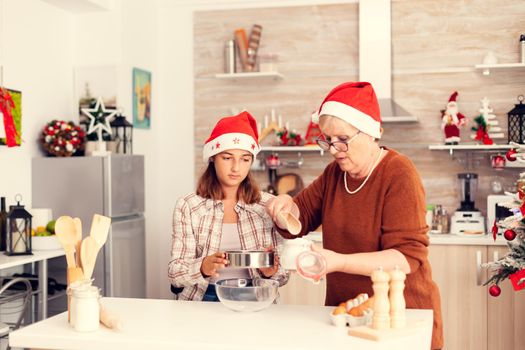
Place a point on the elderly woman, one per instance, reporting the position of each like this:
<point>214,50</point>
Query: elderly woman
<point>370,202</point>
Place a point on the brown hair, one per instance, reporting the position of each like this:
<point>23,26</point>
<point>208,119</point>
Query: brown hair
<point>210,187</point>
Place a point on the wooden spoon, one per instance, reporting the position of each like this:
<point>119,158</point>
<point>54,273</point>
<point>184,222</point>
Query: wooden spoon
<point>65,232</point>
<point>78,240</point>
<point>292,224</point>
<point>88,254</point>
<point>100,229</point>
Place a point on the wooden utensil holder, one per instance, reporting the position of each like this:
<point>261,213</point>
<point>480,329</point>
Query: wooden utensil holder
<point>73,274</point>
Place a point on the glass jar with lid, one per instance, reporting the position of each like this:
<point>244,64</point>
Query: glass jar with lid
<point>85,307</point>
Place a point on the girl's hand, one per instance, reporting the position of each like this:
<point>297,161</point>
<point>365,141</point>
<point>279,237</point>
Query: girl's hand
<point>281,203</point>
<point>270,271</point>
<point>212,263</point>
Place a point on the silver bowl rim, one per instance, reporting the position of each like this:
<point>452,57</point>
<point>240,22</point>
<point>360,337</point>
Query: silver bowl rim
<point>273,283</point>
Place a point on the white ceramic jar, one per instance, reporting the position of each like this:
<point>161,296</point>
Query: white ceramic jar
<point>85,309</point>
<point>291,249</point>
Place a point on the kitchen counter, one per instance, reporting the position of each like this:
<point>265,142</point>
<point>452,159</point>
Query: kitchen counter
<point>441,239</point>
<point>171,324</point>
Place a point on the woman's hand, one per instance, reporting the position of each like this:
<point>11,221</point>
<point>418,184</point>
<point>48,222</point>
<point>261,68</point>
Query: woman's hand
<point>212,263</point>
<point>281,203</point>
<point>270,271</point>
<point>334,261</point>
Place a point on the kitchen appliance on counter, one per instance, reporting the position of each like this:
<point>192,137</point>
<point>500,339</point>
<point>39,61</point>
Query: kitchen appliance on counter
<point>467,220</point>
<point>112,186</point>
<point>495,212</point>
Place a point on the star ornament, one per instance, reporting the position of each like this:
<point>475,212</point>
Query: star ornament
<point>99,117</point>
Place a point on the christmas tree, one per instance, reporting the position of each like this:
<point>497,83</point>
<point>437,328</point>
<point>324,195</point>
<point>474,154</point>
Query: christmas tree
<point>512,265</point>
<point>486,124</point>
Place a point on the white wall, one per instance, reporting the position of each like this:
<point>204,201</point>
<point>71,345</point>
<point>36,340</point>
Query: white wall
<point>35,51</point>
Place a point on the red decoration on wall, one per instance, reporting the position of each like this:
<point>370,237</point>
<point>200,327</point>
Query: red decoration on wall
<point>6,105</point>
<point>312,133</point>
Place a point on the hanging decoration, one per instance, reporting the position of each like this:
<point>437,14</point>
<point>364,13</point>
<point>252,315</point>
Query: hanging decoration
<point>10,108</point>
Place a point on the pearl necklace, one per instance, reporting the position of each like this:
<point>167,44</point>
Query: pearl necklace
<point>367,177</point>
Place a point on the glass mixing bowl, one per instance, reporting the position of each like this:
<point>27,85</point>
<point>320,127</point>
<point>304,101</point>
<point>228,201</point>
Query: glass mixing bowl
<point>311,266</point>
<point>244,294</point>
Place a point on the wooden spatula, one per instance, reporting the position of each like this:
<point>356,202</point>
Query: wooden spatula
<point>78,240</point>
<point>100,229</point>
<point>88,255</point>
<point>65,232</point>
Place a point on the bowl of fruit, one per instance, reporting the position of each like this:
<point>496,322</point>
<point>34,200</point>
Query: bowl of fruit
<point>43,237</point>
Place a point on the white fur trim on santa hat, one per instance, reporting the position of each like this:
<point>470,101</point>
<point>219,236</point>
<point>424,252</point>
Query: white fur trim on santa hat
<point>230,141</point>
<point>355,117</point>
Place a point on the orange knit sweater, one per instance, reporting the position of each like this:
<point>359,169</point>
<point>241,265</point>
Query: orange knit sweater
<point>387,213</point>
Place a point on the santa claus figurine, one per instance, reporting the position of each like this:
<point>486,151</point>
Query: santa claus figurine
<point>452,120</point>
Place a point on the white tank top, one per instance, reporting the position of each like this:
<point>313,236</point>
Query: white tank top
<point>230,241</point>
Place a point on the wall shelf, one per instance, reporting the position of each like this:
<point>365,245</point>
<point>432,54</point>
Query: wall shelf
<point>487,67</point>
<point>313,148</point>
<point>471,147</point>
<point>250,76</point>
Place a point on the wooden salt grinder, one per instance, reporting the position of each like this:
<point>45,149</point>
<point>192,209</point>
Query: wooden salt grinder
<point>397,299</point>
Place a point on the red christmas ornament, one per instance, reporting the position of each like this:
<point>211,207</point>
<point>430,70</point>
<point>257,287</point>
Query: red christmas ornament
<point>511,155</point>
<point>494,290</point>
<point>509,235</point>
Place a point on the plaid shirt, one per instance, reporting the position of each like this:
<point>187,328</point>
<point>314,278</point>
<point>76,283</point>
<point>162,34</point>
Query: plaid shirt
<point>197,231</point>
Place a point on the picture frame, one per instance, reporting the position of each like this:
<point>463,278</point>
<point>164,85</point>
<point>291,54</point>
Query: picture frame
<point>17,118</point>
<point>141,98</point>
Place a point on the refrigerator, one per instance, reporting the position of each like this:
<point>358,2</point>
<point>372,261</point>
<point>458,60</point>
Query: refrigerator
<point>112,186</point>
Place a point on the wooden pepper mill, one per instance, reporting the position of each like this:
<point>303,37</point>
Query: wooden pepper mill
<point>381,318</point>
<point>397,299</point>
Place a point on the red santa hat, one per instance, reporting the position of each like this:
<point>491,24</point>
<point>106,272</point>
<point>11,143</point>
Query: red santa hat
<point>355,103</point>
<point>453,97</point>
<point>236,132</point>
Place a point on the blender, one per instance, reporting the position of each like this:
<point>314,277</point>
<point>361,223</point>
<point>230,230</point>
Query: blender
<point>467,220</point>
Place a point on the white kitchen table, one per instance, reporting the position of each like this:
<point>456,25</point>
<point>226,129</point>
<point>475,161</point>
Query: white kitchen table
<point>41,257</point>
<point>172,324</point>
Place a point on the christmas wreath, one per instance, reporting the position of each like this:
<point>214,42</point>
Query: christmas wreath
<point>62,139</point>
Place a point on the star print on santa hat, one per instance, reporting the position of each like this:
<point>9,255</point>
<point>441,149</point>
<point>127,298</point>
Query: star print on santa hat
<point>355,103</point>
<point>235,132</point>
<point>99,117</point>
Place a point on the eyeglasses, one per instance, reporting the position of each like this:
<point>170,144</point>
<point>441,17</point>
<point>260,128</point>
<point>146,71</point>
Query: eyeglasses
<point>341,146</point>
